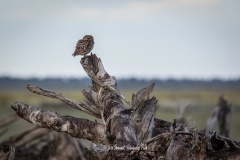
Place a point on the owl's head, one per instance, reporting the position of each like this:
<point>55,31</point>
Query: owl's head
<point>88,37</point>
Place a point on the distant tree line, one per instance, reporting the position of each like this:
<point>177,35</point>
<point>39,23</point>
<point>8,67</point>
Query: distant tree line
<point>7,83</point>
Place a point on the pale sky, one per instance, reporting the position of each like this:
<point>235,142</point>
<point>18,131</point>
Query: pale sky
<point>144,39</point>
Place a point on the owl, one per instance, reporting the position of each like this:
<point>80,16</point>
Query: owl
<point>84,46</point>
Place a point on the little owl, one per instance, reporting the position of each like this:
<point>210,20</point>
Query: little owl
<point>84,46</point>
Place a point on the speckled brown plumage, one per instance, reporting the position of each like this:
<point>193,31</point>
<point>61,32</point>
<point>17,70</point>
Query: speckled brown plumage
<point>84,46</point>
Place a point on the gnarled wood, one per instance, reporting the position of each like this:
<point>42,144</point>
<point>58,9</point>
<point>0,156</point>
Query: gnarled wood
<point>76,127</point>
<point>119,130</point>
<point>92,110</point>
<point>8,120</point>
<point>129,133</point>
<point>139,97</point>
<point>142,119</point>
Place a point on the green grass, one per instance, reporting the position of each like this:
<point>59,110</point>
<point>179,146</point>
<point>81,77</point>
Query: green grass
<point>202,103</point>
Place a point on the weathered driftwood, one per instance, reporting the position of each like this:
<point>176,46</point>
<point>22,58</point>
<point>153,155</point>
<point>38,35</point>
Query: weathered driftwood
<point>76,127</point>
<point>221,114</point>
<point>127,133</point>
<point>41,143</point>
<point>181,117</point>
<point>8,120</point>
<point>82,106</point>
<point>7,149</point>
<point>212,120</point>
<point>224,116</point>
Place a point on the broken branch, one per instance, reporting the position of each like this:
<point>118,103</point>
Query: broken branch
<point>82,106</point>
<point>76,127</point>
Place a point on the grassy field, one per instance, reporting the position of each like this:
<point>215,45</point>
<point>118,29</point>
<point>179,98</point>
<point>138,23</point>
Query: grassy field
<point>202,103</point>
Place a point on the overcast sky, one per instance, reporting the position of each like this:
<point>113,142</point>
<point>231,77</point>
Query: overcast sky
<point>145,39</point>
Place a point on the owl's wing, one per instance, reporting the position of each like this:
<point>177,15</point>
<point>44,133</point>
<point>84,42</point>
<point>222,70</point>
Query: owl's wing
<point>80,47</point>
<point>90,44</point>
<point>82,41</point>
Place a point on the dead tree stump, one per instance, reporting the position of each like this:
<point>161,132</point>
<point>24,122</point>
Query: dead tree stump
<point>224,116</point>
<point>132,133</point>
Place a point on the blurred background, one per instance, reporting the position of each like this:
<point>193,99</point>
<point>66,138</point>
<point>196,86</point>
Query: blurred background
<point>189,48</point>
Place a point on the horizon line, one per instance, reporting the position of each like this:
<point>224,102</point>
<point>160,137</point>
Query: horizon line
<point>126,78</point>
